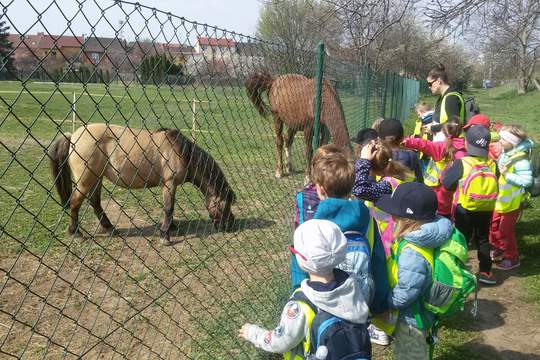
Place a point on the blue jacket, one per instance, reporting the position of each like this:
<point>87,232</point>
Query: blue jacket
<point>414,272</point>
<point>522,175</point>
<point>353,216</point>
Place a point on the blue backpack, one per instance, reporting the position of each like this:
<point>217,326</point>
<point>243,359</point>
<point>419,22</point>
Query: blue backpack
<point>333,338</point>
<point>306,204</point>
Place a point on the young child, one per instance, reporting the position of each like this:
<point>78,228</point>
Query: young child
<point>474,180</point>
<point>376,162</point>
<point>319,247</point>
<point>418,228</point>
<point>333,175</point>
<point>515,176</point>
<point>424,113</point>
<point>442,154</point>
<point>391,134</point>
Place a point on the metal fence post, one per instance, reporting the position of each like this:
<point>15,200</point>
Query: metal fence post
<point>318,93</point>
<point>366,94</point>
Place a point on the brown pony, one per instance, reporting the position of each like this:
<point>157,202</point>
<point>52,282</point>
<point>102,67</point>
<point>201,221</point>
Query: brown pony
<point>136,159</point>
<point>292,102</point>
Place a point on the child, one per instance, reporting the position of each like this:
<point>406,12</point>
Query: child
<point>306,203</point>
<point>376,161</point>
<point>515,176</point>
<point>474,180</point>
<point>417,229</point>
<point>319,247</point>
<point>391,134</point>
<point>442,154</point>
<point>424,114</point>
<point>333,175</point>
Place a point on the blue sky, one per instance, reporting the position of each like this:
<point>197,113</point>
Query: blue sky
<point>235,15</point>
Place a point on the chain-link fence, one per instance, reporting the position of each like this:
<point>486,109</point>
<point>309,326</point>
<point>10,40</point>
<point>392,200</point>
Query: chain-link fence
<point>180,137</point>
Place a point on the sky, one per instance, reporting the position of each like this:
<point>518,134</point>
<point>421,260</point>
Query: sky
<point>235,15</point>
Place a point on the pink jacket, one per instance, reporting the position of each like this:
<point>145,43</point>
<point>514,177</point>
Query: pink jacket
<point>437,151</point>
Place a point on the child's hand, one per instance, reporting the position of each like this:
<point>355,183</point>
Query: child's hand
<point>242,333</point>
<point>503,169</point>
<point>368,151</point>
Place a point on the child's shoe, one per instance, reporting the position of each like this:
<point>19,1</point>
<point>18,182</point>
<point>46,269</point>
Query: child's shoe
<point>486,278</point>
<point>496,255</point>
<point>507,264</point>
<point>378,336</point>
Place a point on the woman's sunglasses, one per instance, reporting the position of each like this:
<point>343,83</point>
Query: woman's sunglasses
<point>430,83</point>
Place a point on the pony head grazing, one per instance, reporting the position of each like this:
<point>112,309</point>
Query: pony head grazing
<point>204,172</point>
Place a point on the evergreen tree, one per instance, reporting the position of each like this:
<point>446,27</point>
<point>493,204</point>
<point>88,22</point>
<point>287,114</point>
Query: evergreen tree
<point>6,61</point>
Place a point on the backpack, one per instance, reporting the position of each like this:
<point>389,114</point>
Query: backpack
<point>333,338</point>
<point>452,281</point>
<point>479,190</point>
<point>471,108</point>
<point>306,203</point>
<point>534,189</point>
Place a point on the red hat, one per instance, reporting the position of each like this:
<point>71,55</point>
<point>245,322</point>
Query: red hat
<point>479,119</point>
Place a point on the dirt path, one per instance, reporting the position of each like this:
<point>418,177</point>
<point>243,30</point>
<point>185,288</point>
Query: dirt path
<point>509,325</point>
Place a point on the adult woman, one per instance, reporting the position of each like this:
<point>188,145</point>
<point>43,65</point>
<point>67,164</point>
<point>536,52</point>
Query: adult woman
<point>450,101</point>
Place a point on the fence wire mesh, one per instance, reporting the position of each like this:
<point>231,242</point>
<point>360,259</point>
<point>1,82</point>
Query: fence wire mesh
<point>109,287</point>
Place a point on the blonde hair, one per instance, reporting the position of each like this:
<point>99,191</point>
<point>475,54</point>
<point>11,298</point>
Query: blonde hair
<point>333,170</point>
<point>403,226</point>
<point>382,164</point>
<point>377,123</point>
<point>422,106</point>
<point>516,130</point>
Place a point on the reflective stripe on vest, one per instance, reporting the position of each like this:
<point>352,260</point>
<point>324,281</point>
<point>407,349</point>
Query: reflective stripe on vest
<point>434,172</point>
<point>510,196</point>
<point>443,115</point>
<point>465,196</point>
<point>294,354</point>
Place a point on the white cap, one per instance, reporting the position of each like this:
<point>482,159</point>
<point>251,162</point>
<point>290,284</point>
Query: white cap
<point>319,246</point>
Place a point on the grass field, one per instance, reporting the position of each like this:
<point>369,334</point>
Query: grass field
<point>128,295</point>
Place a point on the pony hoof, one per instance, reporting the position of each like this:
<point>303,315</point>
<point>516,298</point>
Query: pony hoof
<point>278,174</point>
<point>165,241</point>
<point>77,233</point>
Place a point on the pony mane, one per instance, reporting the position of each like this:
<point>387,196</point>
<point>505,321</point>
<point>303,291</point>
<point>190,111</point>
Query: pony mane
<point>200,164</point>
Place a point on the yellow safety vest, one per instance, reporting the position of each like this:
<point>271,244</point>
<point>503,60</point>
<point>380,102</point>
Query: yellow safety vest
<point>300,352</point>
<point>382,218</point>
<point>510,196</point>
<point>388,324</point>
<point>478,187</point>
<point>434,171</point>
<point>444,116</point>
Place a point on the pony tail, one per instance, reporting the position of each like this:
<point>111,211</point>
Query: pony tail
<point>398,170</point>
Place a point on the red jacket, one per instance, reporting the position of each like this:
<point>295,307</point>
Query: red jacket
<point>437,151</point>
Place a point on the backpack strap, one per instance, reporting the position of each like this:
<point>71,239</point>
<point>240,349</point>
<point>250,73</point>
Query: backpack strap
<point>520,155</point>
<point>298,295</point>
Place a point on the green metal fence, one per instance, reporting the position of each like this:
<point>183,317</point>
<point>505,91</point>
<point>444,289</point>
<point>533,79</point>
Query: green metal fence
<point>98,293</point>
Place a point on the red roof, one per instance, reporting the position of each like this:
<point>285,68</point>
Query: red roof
<point>216,42</point>
<point>42,41</point>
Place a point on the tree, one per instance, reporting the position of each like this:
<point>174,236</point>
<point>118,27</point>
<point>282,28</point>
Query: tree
<point>513,24</point>
<point>154,69</point>
<point>297,26</point>
<point>6,49</point>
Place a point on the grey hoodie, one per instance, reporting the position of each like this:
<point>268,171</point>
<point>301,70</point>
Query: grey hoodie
<point>346,301</point>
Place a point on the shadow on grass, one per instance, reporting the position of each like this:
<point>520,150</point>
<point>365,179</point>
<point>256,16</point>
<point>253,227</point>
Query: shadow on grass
<point>476,350</point>
<point>201,228</point>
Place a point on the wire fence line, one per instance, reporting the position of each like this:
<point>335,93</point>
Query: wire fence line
<point>109,287</point>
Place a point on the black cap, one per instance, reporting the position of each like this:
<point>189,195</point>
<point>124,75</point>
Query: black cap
<point>410,200</point>
<point>364,136</point>
<point>478,138</point>
<point>391,127</point>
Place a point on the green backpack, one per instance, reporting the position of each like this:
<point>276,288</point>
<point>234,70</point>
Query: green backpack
<point>452,281</point>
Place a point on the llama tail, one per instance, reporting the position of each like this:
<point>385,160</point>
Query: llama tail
<point>256,84</point>
<point>59,153</point>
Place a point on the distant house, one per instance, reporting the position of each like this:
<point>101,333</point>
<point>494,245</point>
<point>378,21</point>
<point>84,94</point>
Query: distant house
<point>53,51</point>
<point>105,53</point>
<point>210,47</point>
